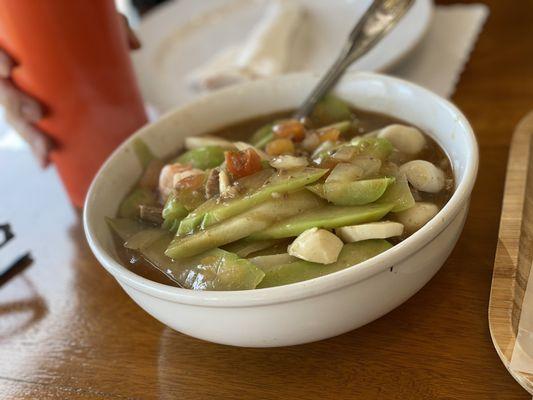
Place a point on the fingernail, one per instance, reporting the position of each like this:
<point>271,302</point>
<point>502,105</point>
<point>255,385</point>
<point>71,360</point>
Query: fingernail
<point>133,40</point>
<point>5,66</point>
<point>135,43</point>
<point>31,111</point>
<point>4,71</point>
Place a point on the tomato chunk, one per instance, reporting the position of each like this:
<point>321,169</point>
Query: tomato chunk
<point>242,163</point>
<point>290,129</point>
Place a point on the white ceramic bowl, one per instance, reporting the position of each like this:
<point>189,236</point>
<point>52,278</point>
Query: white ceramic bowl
<point>314,309</point>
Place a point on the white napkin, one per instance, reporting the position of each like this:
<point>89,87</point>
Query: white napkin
<point>437,62</point>
<point>522,358</point>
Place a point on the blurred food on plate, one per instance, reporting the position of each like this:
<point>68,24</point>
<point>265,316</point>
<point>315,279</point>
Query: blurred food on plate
<point>263,54</point>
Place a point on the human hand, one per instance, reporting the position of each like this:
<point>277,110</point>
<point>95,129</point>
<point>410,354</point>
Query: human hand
<point>22,111</point>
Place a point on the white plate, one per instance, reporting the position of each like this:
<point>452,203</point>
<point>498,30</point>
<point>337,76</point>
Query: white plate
<point>181,35</point>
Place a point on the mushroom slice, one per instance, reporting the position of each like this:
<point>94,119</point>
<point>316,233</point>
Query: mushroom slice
<point>417,216</point>
<point>406,139</point>
<point>424,176</point>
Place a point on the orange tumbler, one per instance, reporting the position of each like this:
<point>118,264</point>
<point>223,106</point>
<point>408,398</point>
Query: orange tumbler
<point>73,56</point>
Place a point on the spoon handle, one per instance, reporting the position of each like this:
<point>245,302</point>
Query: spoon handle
<point>379,18</point>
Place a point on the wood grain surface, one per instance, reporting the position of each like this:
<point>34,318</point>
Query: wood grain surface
<point>514,252</point>
<point>67,330</point>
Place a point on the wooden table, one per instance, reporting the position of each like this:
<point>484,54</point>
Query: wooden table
<point>68,331</point>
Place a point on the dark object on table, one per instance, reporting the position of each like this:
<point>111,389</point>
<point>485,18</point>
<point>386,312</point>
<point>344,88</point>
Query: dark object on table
<point>7,234</point>
<point>11,253</point>
<point>145,5</point>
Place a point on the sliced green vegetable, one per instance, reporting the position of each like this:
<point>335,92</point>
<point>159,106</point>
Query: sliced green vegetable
<point>192,198</point>
<point>217,210</point>
<point>324,217</point>
<point>135,235</point>
<point>143,152</point>
<point>246,185</point>
<point>331,109</point>
<point>175,225</point>
<point>279,246</point>
<point>318,189</point>
<point>125,228</point>
<point>346,172</point>
<point>215,269</point>
<point>351,254</point>
<point>342,126</point>
<point>363,146</point>
<point>173,208</point>
<point>242,225</point>
<point>129,208</point>
<point>144,238</point>
<point>143,192</point>
<point>282,182</point>
<point>262,136</point>
<point>372,146</point>
<point>243,248</point>
<point>398,194</point>
<point>272,261</point>
<point>356,193</point>
<point>325,150</point>
<point>173,212</point>
<point>150,176</point>
<point>203,157</point>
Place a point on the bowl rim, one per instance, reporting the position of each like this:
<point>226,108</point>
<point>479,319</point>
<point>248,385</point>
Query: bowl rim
<point>315,286</point>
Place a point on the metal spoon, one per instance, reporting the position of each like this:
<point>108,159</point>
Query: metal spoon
<point>380,18</point>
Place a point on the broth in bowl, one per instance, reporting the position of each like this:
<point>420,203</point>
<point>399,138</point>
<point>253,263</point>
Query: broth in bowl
<point>272,201</point>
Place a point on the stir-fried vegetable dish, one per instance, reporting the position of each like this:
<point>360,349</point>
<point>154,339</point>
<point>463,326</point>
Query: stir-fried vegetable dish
<point>273,200</point>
